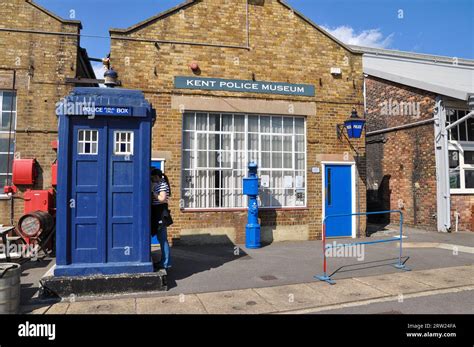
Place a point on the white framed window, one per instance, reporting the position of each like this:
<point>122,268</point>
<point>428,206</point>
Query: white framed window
<point>123,142</point>
<point>7,135</point>
<point>217,148</point>
<point>461,153</point>
<point>88,142</point>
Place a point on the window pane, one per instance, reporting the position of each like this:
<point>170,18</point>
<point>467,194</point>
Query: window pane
<point>4,161</point>
<point>4,143</point>
<point>300,161</point>
<point>6,121</point>
<point>299,125</point>
<point>214,122</point>
<point>288,125</point>
<point>214,142</point>
<point>453,159</point>
<point>264,124</point>
<point>253,124</point>
<point>202,159</point>
<point>265,160</point>
<point>470,129</point>
<point>469,179</point>
<point>454,179</point>
<point>187,160</point>
<point>188,123</point>
<point>469,157</point>
<point>239,123</point>
<point>226,142</point>
<point>201,121</point>
<point>253,142</point>
<point>277,143</point>
<point>287,160</point>
<point>277,125</point>
<point>299,143</point>
<point>201,141</point>
<point>288,143</point>
<point>266,144</point>
<point>277,162</point>
<point>239,142</point>
<point>9,101</point>
<point>4,181</point>
<point>227,122</point>
<point>188,140</point>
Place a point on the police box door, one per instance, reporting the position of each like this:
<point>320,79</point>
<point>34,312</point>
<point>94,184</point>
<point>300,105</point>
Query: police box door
<point>103,193</point>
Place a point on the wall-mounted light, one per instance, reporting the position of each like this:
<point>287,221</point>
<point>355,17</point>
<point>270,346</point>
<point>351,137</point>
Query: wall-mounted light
<point>354,126</point>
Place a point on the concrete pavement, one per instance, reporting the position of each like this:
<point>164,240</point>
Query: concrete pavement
<point>297,298</point>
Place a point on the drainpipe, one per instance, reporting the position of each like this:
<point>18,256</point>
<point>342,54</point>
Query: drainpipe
<point>443,197</point>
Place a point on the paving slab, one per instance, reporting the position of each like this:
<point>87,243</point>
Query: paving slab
<point>181,304</point>
<point>445,277</point>
<point>395,284</point>
<point>235,302</point>
<point>346,290</point>
<point>60,308</point>
<point>34,309</point>
<point>292,297</point>
<point>124,306</point>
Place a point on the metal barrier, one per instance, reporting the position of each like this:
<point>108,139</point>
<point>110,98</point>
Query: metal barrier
<point>399,265</point>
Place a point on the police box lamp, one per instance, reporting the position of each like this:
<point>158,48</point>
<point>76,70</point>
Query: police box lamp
<point>354,126</point>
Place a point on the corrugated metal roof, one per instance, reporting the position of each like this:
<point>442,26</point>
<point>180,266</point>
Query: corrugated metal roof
<point>448,76</point>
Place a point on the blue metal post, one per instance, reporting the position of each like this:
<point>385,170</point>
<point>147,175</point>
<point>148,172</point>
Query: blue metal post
<point>252,230</point>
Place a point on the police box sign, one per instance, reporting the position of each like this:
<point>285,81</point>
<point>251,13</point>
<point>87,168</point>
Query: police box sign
<point>219,84</point>
<point>106,111</point>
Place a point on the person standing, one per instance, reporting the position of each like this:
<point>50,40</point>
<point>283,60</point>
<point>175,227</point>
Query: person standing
<point>161,217</point>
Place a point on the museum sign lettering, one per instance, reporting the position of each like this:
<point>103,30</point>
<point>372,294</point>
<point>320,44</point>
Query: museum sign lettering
<point>219,84</point>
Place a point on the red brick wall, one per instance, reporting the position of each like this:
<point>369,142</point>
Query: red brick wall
<point>401,167</point>
<point>284,48</point>
<point>464,205</point>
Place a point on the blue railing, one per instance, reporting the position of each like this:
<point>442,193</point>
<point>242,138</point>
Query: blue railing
<point>399,265</point>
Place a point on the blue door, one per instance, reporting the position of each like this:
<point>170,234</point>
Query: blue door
<point>88,189</point>
<point>102,218</point>
<point>338,200</point>
<point>123,197</point>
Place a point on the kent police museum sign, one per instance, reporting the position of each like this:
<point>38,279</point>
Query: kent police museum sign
<point>220,84</point>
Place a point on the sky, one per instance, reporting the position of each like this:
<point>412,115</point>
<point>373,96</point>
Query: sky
<point>439,27</point>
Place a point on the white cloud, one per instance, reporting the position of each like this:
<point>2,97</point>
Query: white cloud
<point>368,38</point>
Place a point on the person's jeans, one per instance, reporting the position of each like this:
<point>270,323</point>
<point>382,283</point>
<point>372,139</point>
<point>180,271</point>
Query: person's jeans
<point>164,245</point>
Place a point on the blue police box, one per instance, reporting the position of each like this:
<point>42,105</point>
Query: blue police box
<point>103,192</point>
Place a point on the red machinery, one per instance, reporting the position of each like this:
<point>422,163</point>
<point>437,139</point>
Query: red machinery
<point>37,225</point>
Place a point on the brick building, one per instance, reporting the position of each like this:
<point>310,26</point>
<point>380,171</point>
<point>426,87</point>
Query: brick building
<point>39,51</point>
<point>240,81</point>
<point>410,100</point>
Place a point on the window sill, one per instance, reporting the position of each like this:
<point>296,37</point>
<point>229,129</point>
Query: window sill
<point>462,192</point>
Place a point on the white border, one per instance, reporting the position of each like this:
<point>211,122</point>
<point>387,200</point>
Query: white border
<point>163,160</point>
<point>323,188</point>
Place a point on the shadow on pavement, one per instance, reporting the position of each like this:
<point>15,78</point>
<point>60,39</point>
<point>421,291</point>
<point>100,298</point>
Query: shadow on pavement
<point>188,260</point>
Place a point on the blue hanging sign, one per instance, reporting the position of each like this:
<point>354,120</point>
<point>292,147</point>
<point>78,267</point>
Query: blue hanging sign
<point>181,82</point>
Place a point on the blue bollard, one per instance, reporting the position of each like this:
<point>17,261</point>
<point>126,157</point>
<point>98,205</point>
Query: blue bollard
<point>252,230</point>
